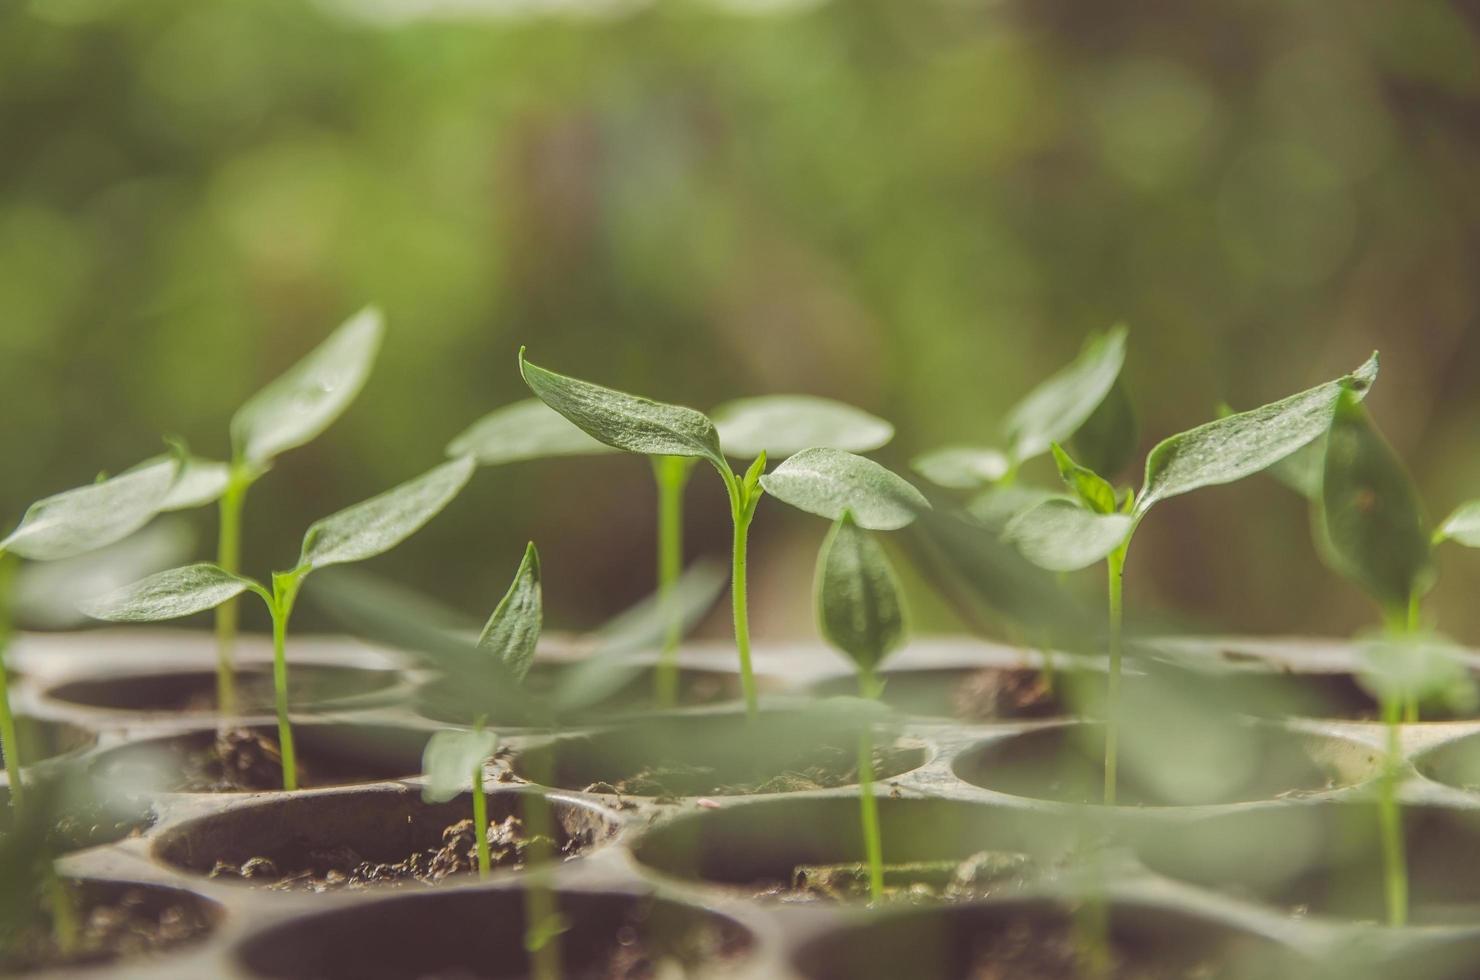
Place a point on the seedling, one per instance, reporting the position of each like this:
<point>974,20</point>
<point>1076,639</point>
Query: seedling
<point>1374,533</point>
<point>290,411</point>
<point>1097,522</point>
<point>64,526</point>
<point>363,531</point>
<point>1084,401</point>
<point>859,611</point>
<point>640,425</point>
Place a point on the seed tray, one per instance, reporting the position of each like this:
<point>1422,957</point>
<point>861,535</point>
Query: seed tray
<point>1183,878</point>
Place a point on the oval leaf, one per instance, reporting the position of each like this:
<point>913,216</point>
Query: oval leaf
<point>1062,536</point>
<point>857,596</point>
<point>995,506</point>
<point>827,482</point>
<point>638,425</point>
<point>1054,410</point>
<point>1462,526</point>
<point>1416,667</point>
<point>452,760</point>
<point>168,595</point>
<point>1093,490</point>
<point>310,395</point>
<point>528,429</point>
<point>380,523</point>
<point>201,482</point>
<point>49,595</point>
<point>780,425</point>
<point>1374,524</point>
<point>513,631</point>
<point>90,517</point>
<point>962,467</point>
<point>1237,446</point>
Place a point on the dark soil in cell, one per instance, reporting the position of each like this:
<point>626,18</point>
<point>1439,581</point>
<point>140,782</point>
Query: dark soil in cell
<point>114,923</point>
<point>342,867</point>
<point>817,767</point>
<point>1030,949</point>
<point>979,876</point>
<point>194,691</point>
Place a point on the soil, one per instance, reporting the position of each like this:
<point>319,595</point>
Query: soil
<point>131,924</point>
<point>819,767</point>
<point>994,694</point>
<point>240,760</point>
<point>979,876</point>
<point>342,867</point>
<point>1027,948</point>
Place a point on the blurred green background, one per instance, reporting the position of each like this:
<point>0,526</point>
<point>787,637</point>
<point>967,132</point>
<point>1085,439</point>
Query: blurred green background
<point>921,208</point>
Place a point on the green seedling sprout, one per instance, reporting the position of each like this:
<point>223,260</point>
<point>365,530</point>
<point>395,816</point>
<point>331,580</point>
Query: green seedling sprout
<point>778,425</point>
<point>363,531</point>
<point>62,527</point>
<point>1373,530</point>
<point>1097,523</point>
<point>640,425</point>
<point>859,611</point>
<point>290,411</point>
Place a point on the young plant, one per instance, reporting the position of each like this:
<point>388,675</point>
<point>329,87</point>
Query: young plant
<point>363,531</point>
<point>640,425</point>
<point>1097,523</point>
<point>859,611</point>
<point>65,526</point>
<point>1084,401</point>
<point>290,411</point>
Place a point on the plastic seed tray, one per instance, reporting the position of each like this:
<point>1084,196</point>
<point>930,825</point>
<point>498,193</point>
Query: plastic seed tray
<point>1251,854</point>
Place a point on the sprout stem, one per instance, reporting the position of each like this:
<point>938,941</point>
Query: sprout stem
<point>741,512</point>
<point>672,475</point>
<point>1116,567</point>
<point>1390,823</point>
<point>869,804</point>
<point>284,592</point>
<point>480,822</point>
<point>63,914</point>
<point>228,556</point>
<point>9,744</point>
<point>542,924</point>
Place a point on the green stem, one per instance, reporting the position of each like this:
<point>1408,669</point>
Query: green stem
<point>869,812</point>
<point>229,557</point>
<point>480,822</point>
<point>284,592</point>
<point>64,925</point>
<point>1116,566</point>
<point>9,744</point>
<point>741,512</point>
<point>672,475</point>
<point>1390,824</point>
<point>542,923</point>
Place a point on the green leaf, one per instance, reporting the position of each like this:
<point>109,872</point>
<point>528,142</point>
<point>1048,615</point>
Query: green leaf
<point>1092,489</point>
<point>1462,526</point>
<point>90,517</point>
<point>527,429</point>
<point>379,524</point>
<point>1054,410</point>
<point>201,482</point>
<point>857,596</point>
<point>962,467</point>
<point>753,474</point>
<point>994,507</point>
<point>1416,667</point>
<point>1237,446</point>
<point>169,595</point>
<point>1108,439</point>
<point>780,425</point>
<point>826,482</point>
<point>450,760</point>
<point>48,594</point>
<point>303,401</point>
<point>1373,520</point>
<point>513,631</point>
<point>638,425</point>
<point>1062,536</point>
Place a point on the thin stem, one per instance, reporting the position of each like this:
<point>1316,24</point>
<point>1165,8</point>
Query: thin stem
<point>741,512</point>
<point>542,923</point>
<point>64,925</point>
<point>9,744</point>
<point>228,556</point>
<point>1116,573</point>
<point>1390,824</point>
<point>869,804</point>
<point>672,475</point>
<point>284,592</point>
<point>480,822</point>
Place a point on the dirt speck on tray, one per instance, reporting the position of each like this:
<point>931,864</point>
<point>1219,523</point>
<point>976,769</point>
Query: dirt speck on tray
<point>341,867</point>
<point>819,767</point>
<point>979,876</point>
<point>133,923</point>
